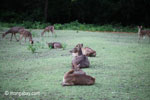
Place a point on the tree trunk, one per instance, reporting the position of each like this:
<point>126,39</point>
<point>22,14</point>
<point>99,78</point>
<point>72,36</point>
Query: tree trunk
<point>46,10</point>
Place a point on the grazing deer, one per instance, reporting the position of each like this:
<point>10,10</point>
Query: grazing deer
<point>142,33</point>
<point>13,31</point>
<point>26,34</point>
<point>77,78</point>
<point>79,58</point>
<point>87,51</point>
<point>54,45</point>
<point>47,29</point>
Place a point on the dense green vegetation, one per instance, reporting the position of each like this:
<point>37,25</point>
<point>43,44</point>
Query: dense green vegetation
<point>124,12</point>
<point>74,26</point>
<point>121,67</point>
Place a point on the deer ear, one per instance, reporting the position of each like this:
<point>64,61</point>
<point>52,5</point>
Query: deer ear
<point>78,65</point>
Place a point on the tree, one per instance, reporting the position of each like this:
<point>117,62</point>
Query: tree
<point>46,10</point>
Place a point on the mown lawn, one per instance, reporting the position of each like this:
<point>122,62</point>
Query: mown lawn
<point>121,67</point>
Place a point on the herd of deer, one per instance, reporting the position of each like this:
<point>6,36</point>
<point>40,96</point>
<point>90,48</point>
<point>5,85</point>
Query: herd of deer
<point>80,55</point>
<point>25,33</point>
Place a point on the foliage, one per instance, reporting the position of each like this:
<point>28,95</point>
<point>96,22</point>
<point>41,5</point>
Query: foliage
<point>75,26</point>
<point>131,12</point>
<point>64,45</point>
<point>32,48</point>
<point>50,47</point>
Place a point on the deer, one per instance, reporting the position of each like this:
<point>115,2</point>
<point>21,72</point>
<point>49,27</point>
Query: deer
<point>142,33</point>
<point>88,51</point>
<point>47,29</point>
<point>78,70</point>
<point>54,45</point>
<point>26,34</point>
<point>13,31</point>
<point>79,58</point>
<point>75,77</point>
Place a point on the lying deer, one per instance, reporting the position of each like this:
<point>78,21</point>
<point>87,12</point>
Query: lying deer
<point>142,33</point>
<point>26,34</point>
<point>87,51</point>
<point>79,58</point>
<point>47,29</point>
<point>73,77</point>
<point>54,45</point>
<point>77,70</point>
<point>13,31</point>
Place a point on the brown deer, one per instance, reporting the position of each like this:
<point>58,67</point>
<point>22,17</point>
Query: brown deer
<point>47,29</point>
<point>87,51</point>
<point>142,33</point>
<point>79,58</point>
<point>13,31</point>
<point>76,78</point>
<point>26,34</point>
<point>77,70</point>
<point>54,45</point>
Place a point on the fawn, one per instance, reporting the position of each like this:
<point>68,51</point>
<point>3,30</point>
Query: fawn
<point>79,58</point>
<point>47,29</point>
<point>142,33</point>
<point>26,34</point>
<point>13,31</point>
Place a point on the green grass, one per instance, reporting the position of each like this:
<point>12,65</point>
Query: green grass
<point>121,67</point>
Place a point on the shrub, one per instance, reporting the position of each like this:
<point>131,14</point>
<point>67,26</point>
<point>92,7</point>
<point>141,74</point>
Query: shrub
<point>32,48</point>
<point>50,47</point>
<point>75,25</point>
<point>64,46</point>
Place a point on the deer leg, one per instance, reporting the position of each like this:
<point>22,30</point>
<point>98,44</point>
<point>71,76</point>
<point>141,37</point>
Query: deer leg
<point>67,84</point>
<point>11,36</point>
<point>139,39</point>
<point>21,36</point>
<point>52,32</point>
<point>16,37</point>
<point>48,33</point>
<point>25,39</point>
<point>42,33</point>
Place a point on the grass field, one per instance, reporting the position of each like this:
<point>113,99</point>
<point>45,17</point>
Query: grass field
<point>121,67</point>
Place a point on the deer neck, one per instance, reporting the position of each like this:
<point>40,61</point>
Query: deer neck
<point>80,52</point>
<point>139,30</point>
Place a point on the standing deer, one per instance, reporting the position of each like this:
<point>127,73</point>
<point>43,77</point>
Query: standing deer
<point>26,34</point>
<point>47,29</point>
<point>142,33</point>
<point>79,58</point>
<point>13,31</point>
